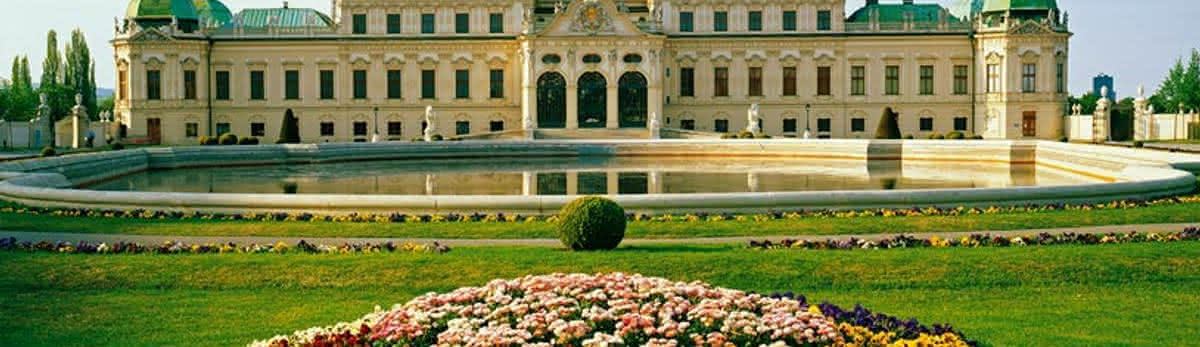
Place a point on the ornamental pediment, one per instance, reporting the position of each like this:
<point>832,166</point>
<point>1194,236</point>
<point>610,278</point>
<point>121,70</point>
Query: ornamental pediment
<point>1030,27</point>
<point>150,35</point>
<point>590,18</point>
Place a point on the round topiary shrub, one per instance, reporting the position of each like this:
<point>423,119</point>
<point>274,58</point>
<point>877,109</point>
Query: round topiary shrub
<point>248,141</point>
<point>591,223</point>
<point>116,146</point>
<point>48,152</point>
<point>437,137</point>
<point>229,139</point>
<point>955,135</point>
<point>1064,139</point>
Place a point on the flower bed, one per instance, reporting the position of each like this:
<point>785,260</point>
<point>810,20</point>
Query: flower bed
<point>617,310</point>
<point>983,240</point>
<point>502,218</point>
<point>172,247</point>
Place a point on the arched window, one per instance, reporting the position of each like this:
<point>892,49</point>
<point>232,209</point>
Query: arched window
<point>633,100</point>
<point>593,100</point>
<point>552,101</point>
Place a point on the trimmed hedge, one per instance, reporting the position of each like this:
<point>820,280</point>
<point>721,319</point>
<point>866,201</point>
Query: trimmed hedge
<point>955,135</point>
<point>116,146</point>
<point>48,152</point>
<point>591,223</point>
<point>889,126</point>
<point>248,141</point>
<point>290,130</point>
<point>229,139</point>
<point>207,141</point>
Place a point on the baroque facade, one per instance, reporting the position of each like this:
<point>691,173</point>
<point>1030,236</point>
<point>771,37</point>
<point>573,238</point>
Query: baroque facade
<point>600,68</point>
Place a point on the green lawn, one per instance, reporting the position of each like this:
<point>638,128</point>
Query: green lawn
<point>1178,213</point>
<point>1136,294</point>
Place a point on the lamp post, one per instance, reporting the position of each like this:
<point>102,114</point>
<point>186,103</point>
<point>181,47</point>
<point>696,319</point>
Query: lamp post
<point>807,116</point>
<point>375,136</point>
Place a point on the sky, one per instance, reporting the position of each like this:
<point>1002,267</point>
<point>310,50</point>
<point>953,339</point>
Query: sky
<point>1134,41</point>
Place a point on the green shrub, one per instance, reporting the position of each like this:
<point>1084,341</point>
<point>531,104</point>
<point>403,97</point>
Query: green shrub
<point>909,137</point>
<point>116,146</point>
<point>936,136</point>
<point>977,137</point>
<point>955,135</point>
<point>762,136</point>
<point>591,223</point>
<point>889,126</point>
<point>229,139</point>
<point>437,137</point>
<point>48,152</point>
<point>727,136</point>
<point>1064,139</point>
<point>1138,144</point>
<point>248,141</point>
<point>290,131</point>
<point>745,135</point>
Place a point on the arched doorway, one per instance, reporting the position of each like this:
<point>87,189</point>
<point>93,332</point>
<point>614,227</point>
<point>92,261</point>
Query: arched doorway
<point>593,100</point>
<point>552,101</point>
<point>633,100</point>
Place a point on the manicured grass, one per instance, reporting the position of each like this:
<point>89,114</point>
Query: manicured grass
<point>1178,213</point>
<point>1133,294</point>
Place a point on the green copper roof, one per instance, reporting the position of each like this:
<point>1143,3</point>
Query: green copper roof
<point>182,9</point>
<point>213,10</point>
<point>894,13</point>
<point>288,17</point>
<point>1005,5</point>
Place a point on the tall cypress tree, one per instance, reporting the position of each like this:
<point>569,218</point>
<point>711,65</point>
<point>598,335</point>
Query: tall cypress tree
<point>50,66</point>
<point>79,76</point>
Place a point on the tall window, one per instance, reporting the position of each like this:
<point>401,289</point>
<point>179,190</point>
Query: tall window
<point>326,128</point>
<point>257,88</point>
<point>823,83</point>
<point>223,128</point>
<point>789,20</point>
<point>687,81</point>
<point>721,125</point>
<point>258,129</point>
<point>858,80</point>
<point>720,21</point>
<point>428,23</point>
<point>359,23</point>
<point>291,82</point>
<point>360,84</point>
<point>326,84</point>
<point>789,125</point>
<point>122,80</point>
<point>755,80</point>
<point>395,84</point>
<point>1060,78</point>
<point>960,123</point>
<point>960,79</point>
<point>993,76</point>
<point>721,81</point>
<point>497,84</point>
<point>824,125</point>
<point>189,84</point>
<point>191,129</point>
<point>858,125</point>
<point>393,24</point>
<point>685,22</point>
<point>153,85</point>
<point>1029,78</point>
<point>496,23</point>
<point>824,20</point>
<point>926,124</point>
<point>892,80</point>
<point>462,127</point>
<point>462,84</point>
<point>462,23</point>
<point>926,79</point>
<point>755,21</point>
<point>428,85</point>
<point>789,81</point>
<point>222,78</point>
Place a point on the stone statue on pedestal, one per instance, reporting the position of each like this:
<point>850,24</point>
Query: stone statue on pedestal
<point>752,120</point>
<point>79,120</point>
<point>654,126</point>
<point>430,127</point>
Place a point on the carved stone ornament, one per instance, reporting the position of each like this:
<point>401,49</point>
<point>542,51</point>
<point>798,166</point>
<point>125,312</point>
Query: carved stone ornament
<point>592,18</point>
<point>150,35</point>
<point>1030,27</point>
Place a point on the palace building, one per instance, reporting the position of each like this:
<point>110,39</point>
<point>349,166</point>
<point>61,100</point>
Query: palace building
<point>589,68</point>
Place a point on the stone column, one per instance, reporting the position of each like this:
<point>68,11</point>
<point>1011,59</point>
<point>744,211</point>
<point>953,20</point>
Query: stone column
<point>528,183</point>
<point>1100,119</point>
<point>573,183</point>
<point>614,182</point>
<point>572,105</point>
<point>655,182</point>
<point>1141,116</point>
<point>612,121</point>
<point>78,118</point>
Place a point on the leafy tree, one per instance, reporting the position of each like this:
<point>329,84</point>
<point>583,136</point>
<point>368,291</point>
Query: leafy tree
<point>21,100</point>
<point>1088,100</point>
<point>1180,87</point>
<point>106,105</point>
<point>3,100</point>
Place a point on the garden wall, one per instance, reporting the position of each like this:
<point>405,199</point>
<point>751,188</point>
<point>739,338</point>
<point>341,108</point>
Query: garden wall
<point>1133,174</point>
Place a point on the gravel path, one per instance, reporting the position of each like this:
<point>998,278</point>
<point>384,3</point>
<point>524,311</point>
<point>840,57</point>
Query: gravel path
<point>156,239</point>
